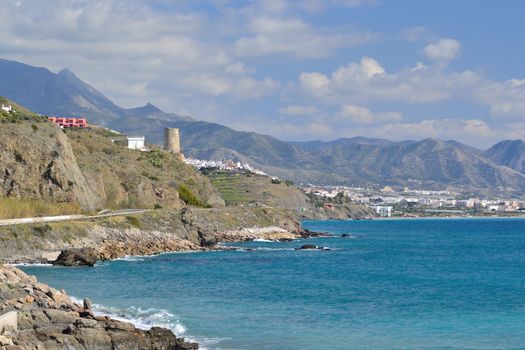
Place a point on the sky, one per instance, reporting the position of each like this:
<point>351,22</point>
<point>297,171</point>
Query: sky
<point>297,70</point>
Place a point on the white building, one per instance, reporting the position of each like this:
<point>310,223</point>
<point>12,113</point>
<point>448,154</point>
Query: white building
<point>7,108</point>
<point>383,210</point>
<point>136,142</point>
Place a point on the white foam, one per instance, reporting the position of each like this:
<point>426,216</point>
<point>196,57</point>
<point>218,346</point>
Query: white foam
<point>262,240</point>
<point>274,249</point>
<point>145,319</point>
<point>130,258</point>
<point>30,264</point>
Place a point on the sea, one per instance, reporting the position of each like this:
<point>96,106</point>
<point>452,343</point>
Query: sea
<point>390,284</point>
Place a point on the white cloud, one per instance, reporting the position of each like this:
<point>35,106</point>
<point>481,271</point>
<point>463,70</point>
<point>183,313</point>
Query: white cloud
<point>443,50</point>
<point>415,34</point>
<point>315,82</point>
<point>362,115</point>
<point>215,85</point>
<point>238,68</point>
<point>469,131</point>
<point>506,99</point>
<point>130,50</point>
<point>367,81</point>
<point>293,36</point>
<point>252,88</point>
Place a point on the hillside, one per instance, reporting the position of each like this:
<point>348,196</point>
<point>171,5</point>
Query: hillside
<point>428,163</point>
<point>41,162</point>
<point>359,161</point>
<point>243,188</point>
<point>510,153</point>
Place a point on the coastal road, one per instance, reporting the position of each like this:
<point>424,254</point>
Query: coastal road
<point>44,219</point>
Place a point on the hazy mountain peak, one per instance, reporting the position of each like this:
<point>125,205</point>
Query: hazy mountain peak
<point>508,152</point>
<point>66,72</point>
<point>147,110</point>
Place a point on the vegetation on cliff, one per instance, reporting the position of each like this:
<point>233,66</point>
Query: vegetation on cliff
<point>45,170</point>
<point>18,114</point>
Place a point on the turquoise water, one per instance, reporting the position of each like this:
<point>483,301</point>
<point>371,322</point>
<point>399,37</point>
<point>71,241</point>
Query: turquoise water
<point>395,284</point>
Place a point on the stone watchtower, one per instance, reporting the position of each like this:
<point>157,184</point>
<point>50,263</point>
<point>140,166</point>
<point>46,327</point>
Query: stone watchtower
<point>172,140</point>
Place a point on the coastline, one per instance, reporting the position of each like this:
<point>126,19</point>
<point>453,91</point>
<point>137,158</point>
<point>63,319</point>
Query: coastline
<point>48,318</point>
<point>178,334</point>
<point>154,233</point>
<point>270,233</point>
<point>146,234</point>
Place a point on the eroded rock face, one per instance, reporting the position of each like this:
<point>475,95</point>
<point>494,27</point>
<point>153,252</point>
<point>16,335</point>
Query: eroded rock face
<point>48,319</point>
<point>77,257</point>
<point>41,164</point>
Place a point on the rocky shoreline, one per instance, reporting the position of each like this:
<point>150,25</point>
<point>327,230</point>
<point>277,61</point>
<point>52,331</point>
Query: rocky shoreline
<point>147,234</point>
<point>46,318</point>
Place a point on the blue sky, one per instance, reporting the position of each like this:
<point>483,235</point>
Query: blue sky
<point>298,70</point>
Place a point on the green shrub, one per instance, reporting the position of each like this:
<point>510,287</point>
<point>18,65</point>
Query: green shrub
<point>154,157</point>
<point>189,198</point>
<point>134,221</point>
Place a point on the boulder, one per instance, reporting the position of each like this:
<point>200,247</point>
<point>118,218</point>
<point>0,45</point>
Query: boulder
<point>87,304</point>
<point>77,257</point>
<point>312,234</point>
<point>308,246</point>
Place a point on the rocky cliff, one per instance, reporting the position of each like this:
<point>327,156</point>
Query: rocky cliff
<point>40,161</point>
<point>47,319</point>
<point>37,161</point>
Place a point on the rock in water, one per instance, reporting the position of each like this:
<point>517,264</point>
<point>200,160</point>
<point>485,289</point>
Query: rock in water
<point>345,235</point>
<point>77,257</point>
<point>308,246</point>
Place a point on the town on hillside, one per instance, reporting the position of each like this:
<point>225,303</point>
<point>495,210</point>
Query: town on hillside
<point>388,202</point>
<point>384,201</point>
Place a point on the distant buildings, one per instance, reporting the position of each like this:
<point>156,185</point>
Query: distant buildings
<point>391,202</point>
<point>227,165</point>
<point>69,122</point>
<point>383,210</point>
<point>131,142</point>
<point>7,108</point>
<point>136,142</point>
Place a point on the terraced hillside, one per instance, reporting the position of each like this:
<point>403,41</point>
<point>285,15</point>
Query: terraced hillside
<point>243,188</point>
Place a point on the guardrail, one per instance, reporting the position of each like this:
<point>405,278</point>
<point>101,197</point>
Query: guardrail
<point>38,220</point>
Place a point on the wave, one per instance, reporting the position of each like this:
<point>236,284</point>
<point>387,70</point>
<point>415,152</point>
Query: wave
<point>146,318</point>
<point>31,264</point>
<point>130,258</point>
<point>140,317</point>
<point>263,240</point>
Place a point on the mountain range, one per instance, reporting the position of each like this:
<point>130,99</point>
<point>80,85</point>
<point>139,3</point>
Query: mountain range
<point>429,163</point>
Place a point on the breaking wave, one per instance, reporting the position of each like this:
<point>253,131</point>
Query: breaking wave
<point>146,318</point>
